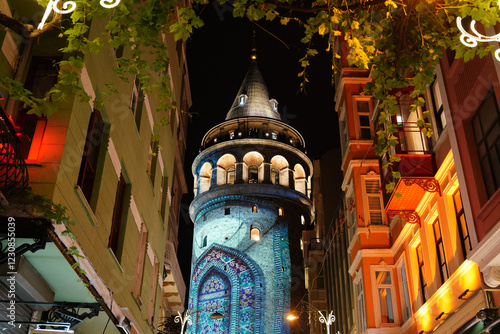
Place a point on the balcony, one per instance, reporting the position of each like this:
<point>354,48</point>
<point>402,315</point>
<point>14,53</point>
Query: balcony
<point>13,170</point>
<point>417,165</point>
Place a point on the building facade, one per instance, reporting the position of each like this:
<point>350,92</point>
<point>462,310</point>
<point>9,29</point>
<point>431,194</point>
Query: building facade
<point>119,274</point>
<point>423,259</point>
<point>252,199</point>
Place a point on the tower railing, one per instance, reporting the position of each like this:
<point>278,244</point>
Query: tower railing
<point>13,170</point>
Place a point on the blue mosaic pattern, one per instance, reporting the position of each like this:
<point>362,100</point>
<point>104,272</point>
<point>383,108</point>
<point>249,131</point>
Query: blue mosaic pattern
<point>282,279</point>
<point>214,297</point>
<point>225,277</point>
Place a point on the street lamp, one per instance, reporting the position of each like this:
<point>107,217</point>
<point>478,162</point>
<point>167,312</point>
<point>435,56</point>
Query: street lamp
<point>328,321</point>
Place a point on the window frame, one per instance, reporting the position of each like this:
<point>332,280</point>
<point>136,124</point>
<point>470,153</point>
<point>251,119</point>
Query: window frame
<point>488,147</point>
<point>421,273</point>
<point>458,215</point>
<point>442,262</point>
<point>367,210</point>
<point>376,297</point>
<point>361,320</point>
<point>357,114</point>
<point>404,289</point>
<point>117,222</point>
<point>90,158</point>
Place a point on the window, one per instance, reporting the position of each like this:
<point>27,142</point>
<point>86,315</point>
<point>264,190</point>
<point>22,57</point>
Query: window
<point>384,288</point>
<point>230,175</point>
<point>152,291</point>
<point>441,255</point>
<point>373,201</point>
<point>253,174</point>
<point>404,290</point>
<point>437,102</point>
<point>163,197</point>
<point>139,262</point>
<point>227,211</point>
<point>231,135</point>
<point>254,233</point>
<point>463,230</point>
<point>360,300</point>
<point>274,135</point>
<point>152,160</point>
<point>90,157</point>
<point>242,99</point>
<point>116,236</point>
<point>254,209</point>
<point>275,176</point>
<point>280,212</point>
<point>421,274</point>
<point>274,104</point>
<point>302,220</point>
<point>204,242</point>
<point>137,102</point>
<point>486,126</point>
<point>362,110</point>
<point>42,76</point>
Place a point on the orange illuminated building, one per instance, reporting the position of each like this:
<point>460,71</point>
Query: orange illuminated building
<point>426,260</point>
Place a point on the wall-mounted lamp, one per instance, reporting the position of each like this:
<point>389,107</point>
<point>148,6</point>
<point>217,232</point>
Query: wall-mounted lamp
<point>463,294</point>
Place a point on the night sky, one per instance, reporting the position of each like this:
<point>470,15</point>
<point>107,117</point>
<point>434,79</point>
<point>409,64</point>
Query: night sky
<point>218,58</point>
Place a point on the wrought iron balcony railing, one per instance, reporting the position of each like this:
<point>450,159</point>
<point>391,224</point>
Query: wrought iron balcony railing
<point>13,170</point>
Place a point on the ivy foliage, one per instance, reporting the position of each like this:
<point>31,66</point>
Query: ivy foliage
<point>399,42</point>
<point>136,26</point>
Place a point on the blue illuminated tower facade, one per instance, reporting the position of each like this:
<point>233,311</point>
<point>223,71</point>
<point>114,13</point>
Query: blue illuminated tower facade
<point>252,200</point>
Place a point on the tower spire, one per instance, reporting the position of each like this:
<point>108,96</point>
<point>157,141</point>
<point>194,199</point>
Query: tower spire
<point>253,55</point>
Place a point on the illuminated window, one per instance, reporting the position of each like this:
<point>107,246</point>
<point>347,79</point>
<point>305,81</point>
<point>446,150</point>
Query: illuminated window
<point>254,208</point>
<point>274,135</point>
<point>204,241</point>
<point>486,126</point>
<point>302,220</point>
<point>280,212</point>
<point>254,233</point>
<point>231,135</point>
<point>463,230</point>
<point>441,255</point>
<point>242,99</point>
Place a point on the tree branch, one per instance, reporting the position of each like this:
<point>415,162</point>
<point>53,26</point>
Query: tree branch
<point>325,8</point>
<point>27,30</point>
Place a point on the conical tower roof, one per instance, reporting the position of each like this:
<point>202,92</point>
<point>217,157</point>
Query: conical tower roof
<point>252,99</point>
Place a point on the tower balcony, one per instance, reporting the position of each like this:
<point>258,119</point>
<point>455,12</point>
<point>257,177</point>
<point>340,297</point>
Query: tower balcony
<point>253,127</point>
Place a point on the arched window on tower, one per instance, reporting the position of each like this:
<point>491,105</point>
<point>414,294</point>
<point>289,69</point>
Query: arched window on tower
<point>254,233</point>
<point>253,174</point>
<point>302,220</point>
<point>281,212</point>
<point>230,175</point>
<point>275,176</point>
<point>204,241</point>
<point>254,209</point>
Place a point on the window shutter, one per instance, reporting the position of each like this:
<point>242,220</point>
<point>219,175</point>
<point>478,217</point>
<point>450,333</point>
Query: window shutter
<point>374,200</point>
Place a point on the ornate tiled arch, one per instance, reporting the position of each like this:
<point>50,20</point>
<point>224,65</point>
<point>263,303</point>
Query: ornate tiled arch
<point>247,287</point>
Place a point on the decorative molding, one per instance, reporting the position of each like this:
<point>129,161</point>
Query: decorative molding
<point>114,157</point>
<point>409,216</point>
<point>428,184</point>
